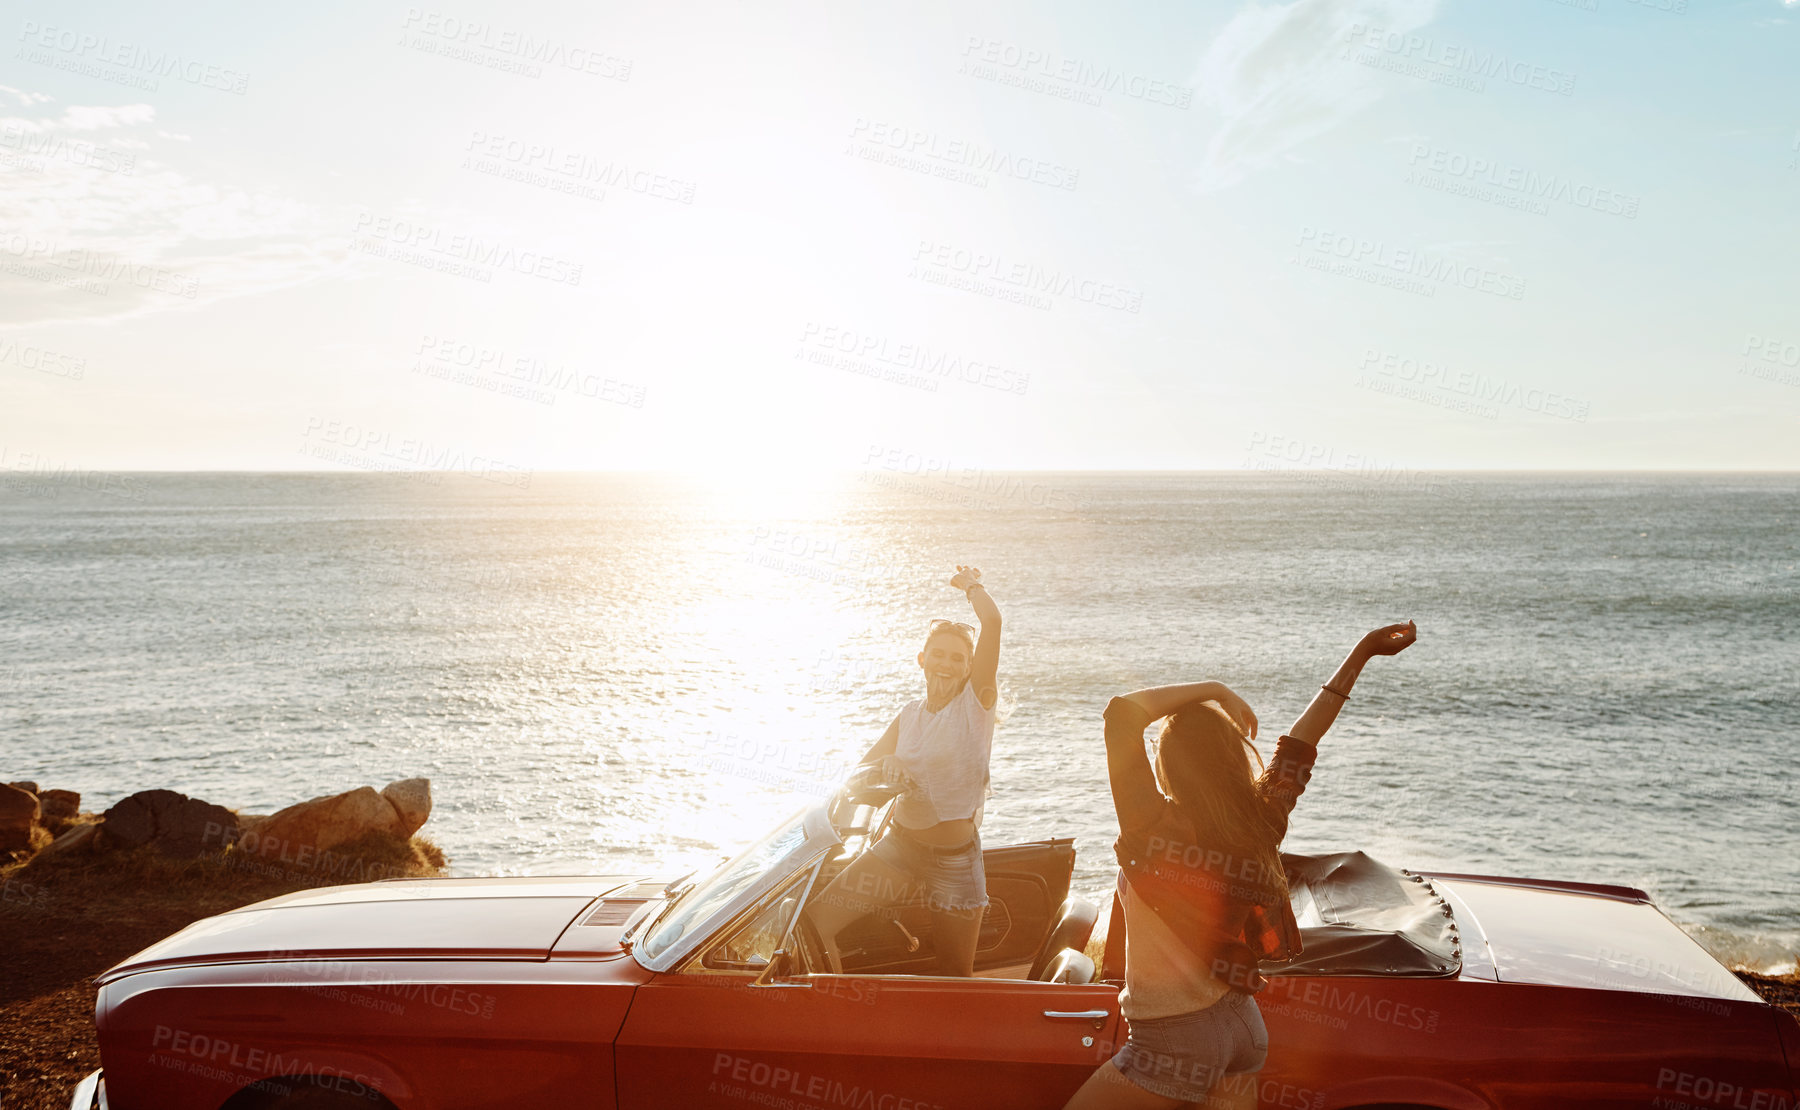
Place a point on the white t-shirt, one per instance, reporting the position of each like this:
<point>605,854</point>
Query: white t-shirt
<point>947,754</point>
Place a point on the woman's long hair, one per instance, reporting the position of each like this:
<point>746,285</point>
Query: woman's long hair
<point>1203,762</point>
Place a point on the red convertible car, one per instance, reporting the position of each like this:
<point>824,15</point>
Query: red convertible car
<point>1463,992</point>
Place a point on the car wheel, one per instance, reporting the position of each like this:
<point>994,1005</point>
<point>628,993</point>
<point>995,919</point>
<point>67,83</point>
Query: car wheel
<point>319,1098</point>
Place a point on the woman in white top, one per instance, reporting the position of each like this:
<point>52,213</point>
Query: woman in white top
<point>938,749</point>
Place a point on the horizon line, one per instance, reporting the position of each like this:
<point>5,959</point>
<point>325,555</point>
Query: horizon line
<point>939,472</point>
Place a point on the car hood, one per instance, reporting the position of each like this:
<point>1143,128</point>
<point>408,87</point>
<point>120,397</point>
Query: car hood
<point>487,918</point>
<point>1584,935</point>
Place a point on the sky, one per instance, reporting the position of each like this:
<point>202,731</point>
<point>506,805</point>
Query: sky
<point>791,237</point>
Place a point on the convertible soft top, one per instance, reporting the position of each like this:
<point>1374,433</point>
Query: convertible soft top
<point>1358,916</point>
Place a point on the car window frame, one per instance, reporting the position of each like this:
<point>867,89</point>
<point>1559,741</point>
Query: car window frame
<point>696,964</point>
<point>797,880</point>
<point>818,837</point>
<point>821,838</point>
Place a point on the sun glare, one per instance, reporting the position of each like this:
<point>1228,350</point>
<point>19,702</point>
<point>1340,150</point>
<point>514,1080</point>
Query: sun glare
<point>771,491</point>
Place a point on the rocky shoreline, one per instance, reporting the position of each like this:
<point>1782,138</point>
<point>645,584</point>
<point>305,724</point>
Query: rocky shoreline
<point>48,823</point>
<point>80,891</point>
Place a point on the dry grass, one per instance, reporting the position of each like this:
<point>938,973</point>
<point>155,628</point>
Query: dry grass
<point>1778,990</point>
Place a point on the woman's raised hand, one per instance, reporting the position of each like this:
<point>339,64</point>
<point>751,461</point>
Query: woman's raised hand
<point>1391,640</point>
<point>966,578</point>
<point>1237,709</point>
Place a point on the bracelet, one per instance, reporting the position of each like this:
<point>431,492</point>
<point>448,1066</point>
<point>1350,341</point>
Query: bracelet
<point>974,586</point>
<point>1339,693</point>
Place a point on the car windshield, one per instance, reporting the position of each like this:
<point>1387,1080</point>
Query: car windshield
<point>703,901</point>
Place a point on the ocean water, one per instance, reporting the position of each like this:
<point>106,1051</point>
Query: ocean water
<point>619,672</point>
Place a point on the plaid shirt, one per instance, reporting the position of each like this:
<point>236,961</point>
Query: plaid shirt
<point>1209,896</point>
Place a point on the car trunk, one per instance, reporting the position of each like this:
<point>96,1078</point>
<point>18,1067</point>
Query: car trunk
<point>1582,935</point>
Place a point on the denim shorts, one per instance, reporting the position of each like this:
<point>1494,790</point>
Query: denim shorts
<point>946,880</point>
<point>1185,1055</point>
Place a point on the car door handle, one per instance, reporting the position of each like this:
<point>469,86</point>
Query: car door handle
<point>1078,1015</point>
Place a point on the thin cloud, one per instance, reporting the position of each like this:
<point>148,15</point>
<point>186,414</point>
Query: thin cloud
<point>101,228</point>
<point>1277,76</point>
<point>81,118</point>
<point>25,98</point>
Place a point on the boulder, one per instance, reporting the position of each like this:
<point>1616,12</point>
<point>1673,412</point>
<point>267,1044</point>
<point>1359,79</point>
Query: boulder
<point>28,787</point>
<point>81,836</point>
<point>411,799</point>
<point>18,812</point>
<point>177,825</point>
<point>326,822</point>
<point>59,805</point>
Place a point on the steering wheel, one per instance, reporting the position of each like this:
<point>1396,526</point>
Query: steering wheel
<point>854,796</point>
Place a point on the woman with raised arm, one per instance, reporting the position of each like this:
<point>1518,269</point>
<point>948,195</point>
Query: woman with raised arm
<point>1201,881</point>
<point>938,749</point>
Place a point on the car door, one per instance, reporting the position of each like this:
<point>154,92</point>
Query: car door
<point>1026,884</point>
<point>885,1042</point>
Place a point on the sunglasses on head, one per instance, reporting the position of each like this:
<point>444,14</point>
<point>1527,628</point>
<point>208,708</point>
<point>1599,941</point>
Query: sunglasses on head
<point>940,624</point>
